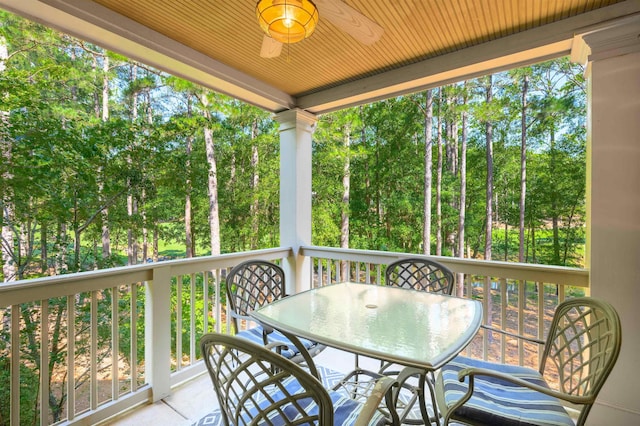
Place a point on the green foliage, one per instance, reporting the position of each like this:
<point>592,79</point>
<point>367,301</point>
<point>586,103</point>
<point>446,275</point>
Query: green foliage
<point>29,381</point>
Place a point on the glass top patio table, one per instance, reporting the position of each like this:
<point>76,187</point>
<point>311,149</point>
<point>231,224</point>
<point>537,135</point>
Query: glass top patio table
<point>407,327</point>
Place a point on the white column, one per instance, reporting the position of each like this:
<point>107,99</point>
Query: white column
<point>613,203</point>
<point>296,129</point>
<point>157,333</point>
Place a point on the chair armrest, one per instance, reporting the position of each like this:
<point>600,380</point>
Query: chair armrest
<point>265,328</point>
<point>382,389</point>
<point>517,336</point>
<point>472,372</point>
<point>236,315</point>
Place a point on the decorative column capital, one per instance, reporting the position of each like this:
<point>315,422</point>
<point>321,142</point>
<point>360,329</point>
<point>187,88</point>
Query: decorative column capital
<point>296,117</point>
<point>616,38</point>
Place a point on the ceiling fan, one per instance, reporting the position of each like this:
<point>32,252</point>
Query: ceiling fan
<point>340,14</point>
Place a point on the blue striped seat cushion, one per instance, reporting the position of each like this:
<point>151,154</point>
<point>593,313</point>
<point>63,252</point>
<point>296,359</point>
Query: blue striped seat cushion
<point>345,409</point>
<point>496,401</point>
<point>255,335</point>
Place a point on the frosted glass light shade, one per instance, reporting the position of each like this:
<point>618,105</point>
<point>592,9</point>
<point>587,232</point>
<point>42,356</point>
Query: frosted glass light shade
<point>287,21</point>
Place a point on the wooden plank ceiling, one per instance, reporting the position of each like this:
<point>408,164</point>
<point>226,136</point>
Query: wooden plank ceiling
<point>414,30</point>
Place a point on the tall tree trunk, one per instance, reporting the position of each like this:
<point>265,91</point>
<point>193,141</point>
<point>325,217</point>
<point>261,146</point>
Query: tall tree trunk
<point>428,171</point>
<point>156,244</point>
<point>523,166</point>
<point>378,186</point>
<point>106,233</point>
<point>439,190</point>
<point>463,191</point>
<point>188,189</point>
<point>44,268</point>
<point>555,219</point>
<point>346,185</point>
<point>143,195</point>
<point>489,182</point>
<point>506,241</point>
<point>489,200</point>
<point>61,266</point>
<point>132,252</point>
<point>453,137</point>
<point>255,180</point>
<point>532,231</point>
<point>212,186</point>
<point>7,243</point>
<point>145,230</point>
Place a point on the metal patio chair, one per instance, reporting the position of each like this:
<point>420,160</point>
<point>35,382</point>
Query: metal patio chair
<point>580,351</point>
<point>256,386</point>
<point>253,284</point>
<point>420,274</point>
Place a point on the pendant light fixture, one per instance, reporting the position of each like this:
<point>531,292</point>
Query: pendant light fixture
<point>287,21</point>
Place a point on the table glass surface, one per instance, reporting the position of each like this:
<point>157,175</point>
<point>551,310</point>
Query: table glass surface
<point>412,328</point>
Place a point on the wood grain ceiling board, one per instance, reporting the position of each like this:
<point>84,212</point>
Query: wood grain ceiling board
<point>414,30</point>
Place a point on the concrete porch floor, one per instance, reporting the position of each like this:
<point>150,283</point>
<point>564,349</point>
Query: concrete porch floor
<point>196,398</point>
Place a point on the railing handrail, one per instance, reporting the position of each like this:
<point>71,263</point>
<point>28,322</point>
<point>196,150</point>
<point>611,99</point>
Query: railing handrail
<point>17,292</point>
<point>578,277</point>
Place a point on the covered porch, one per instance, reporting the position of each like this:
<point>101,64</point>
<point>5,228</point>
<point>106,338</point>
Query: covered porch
<point>603,38</point>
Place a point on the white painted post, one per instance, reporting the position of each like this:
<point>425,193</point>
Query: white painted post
<point>613,200</point>
<point>296,129</point>
<point>158,333</point>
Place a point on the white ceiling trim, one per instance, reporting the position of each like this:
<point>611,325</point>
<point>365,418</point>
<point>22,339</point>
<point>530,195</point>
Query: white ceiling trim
<point>452,74</point>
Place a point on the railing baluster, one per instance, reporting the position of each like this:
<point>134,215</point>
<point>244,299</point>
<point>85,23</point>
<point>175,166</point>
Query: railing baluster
<point>521,306</point>
<point>15,365</point>
<point>133,356</point>
<point>540,317</point>
<point>71,342</point>
<point>487,316</point>
<point>205,300</point>
<point>319,272</point>
<point>192,326</point>
<point>218,304</point>
<point>115,333</point>
<point>44,362</point>
<point>469,286</point>
<point>179,322</point>
<point>94,351</point>
<point>504,299</point>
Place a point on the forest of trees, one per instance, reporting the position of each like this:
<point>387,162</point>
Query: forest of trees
<point>106,162</point>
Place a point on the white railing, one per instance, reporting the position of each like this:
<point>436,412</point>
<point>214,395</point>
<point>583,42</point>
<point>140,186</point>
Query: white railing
<point>523,296</point>
<point>104,341</point>
<point>84,347</point>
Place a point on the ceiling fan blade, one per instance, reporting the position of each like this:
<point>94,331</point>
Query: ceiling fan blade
<point>350,21</point>
<point>270,47</point>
